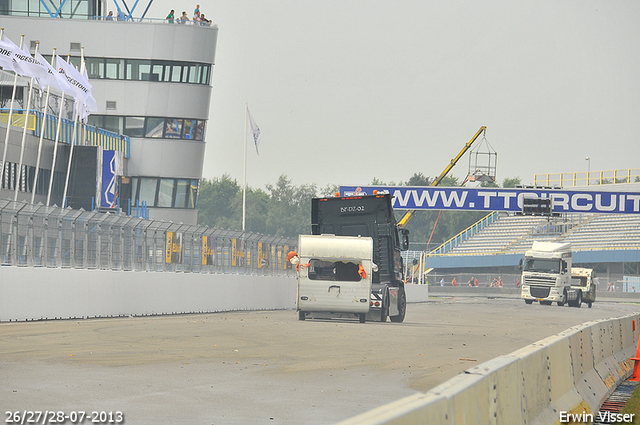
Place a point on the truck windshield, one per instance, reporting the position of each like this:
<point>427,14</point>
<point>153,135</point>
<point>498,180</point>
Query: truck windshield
<point>578,281</point>
<point>345,271</point>
<point>542,265</point>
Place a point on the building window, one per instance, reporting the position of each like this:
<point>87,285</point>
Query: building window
<point>189,127</point>
<point>113,123</point>
<point>151,127</point>
<point>193,194</point>
<point>114,69</point>
<point>173,129</point>
<point>144,70</point>
<point>24,180</point>
<point>164,192</point>
<point>182,193</point>
<point>134,126</point>
<point>154,127</point>
<point>147,191</point>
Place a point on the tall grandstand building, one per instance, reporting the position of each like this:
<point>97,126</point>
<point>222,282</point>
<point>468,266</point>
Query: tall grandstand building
<point>152,83</point>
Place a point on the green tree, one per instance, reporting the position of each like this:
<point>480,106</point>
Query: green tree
<point>418,179</point>
<point>215,201</point>
<point>257,210</point>
<point>511,182</point>
<point>449,181</point>
<point>289,209</point>
<point>330,190</point>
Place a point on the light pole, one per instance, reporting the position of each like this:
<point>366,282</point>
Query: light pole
<point>588,168</point>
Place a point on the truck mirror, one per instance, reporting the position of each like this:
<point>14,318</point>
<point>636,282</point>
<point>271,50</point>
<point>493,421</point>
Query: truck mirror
<point>520,265</point>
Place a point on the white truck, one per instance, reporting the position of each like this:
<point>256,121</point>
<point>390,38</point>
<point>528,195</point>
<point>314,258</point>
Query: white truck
<point>585,281</point>
<point>335,276</point>
<point>547,276</point>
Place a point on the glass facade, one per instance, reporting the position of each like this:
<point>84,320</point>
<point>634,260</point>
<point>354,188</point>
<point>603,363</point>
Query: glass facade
<point>25,178</point>
<point>151,127</point>
<point>164,192</point>
<point>77,9</point>
<point>144,70</point>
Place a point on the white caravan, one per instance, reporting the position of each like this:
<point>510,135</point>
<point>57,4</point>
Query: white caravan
<point>334,275</point>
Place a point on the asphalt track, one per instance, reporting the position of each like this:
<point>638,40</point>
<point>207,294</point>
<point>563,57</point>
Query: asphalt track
<point>262,367</point>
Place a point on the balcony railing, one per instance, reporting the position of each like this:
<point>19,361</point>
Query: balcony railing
<point>85,134</point>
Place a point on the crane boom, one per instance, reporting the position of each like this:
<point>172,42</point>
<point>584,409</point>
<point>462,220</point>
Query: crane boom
<point>403,222</point>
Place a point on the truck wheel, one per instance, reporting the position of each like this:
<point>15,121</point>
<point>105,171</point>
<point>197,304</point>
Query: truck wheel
<point>301,315</point>
<point>402,307</point>
<point>590,304</point>
<point>564,300</point>
<point>528,301</point>
<point>578,302</point>
<point>363,317</point>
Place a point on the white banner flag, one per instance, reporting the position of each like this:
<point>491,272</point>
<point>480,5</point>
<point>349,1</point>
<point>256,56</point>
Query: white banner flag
<point>29,66</point>
<point>79,84</point>
<point>7,56</point>
<point>255,130</point>
<point>54,79</point>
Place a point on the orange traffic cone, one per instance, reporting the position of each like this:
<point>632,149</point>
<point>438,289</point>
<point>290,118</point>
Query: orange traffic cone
<point>636,366</point>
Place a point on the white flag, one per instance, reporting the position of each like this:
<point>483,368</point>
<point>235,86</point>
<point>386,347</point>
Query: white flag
<point>54,79</point>
<point>79,84</point>
<point>7,56</point>
<point>30,67</point>
<point>90,105</point>
<point>255,130</point>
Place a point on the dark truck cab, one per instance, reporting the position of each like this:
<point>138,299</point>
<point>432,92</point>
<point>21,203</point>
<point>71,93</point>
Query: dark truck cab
<point>372,216</point>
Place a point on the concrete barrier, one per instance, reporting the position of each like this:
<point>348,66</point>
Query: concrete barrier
<point>33,293</point>
<point>29,293</point>
<point>511,292</point>
<point>572,372</point>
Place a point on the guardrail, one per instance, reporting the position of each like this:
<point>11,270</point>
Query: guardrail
<point>587,178</point>
<point>175,20</point>
<point>571,373</point>
<point>41,236</point>
<point>465,234</point>
<point>85,134</point>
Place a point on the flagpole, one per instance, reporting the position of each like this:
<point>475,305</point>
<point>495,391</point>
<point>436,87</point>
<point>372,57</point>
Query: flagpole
<point>42,127</point>
<point>55,148</point>
<point>24,136</point>
<point>55,143</point>
<point>76,111</point>
<point>13,96</point>
<point>244,179</point>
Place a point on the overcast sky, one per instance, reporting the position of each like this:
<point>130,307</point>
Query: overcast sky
<point>348,90</point>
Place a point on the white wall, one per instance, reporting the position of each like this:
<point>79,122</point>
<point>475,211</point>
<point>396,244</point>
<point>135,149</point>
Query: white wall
<point>30,293</point>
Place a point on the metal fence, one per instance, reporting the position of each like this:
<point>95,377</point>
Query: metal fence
<point>41,236</point>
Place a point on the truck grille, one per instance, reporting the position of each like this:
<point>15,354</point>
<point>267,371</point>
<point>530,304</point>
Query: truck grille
<point>540,280</point>
<point>539,291</point>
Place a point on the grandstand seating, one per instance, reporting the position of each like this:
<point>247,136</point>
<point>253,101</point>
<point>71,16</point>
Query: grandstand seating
<point>516,233</point>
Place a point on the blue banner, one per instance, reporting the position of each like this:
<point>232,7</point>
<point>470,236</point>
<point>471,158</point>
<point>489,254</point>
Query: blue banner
<point>499,199</point>
<point>109,190</point>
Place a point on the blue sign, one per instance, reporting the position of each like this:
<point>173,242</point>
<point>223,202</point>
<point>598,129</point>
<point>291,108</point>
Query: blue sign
<point>499,199</point>
<point>109,179</point>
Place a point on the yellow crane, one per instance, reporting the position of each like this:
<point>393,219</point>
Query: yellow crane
<point>403,222</point>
